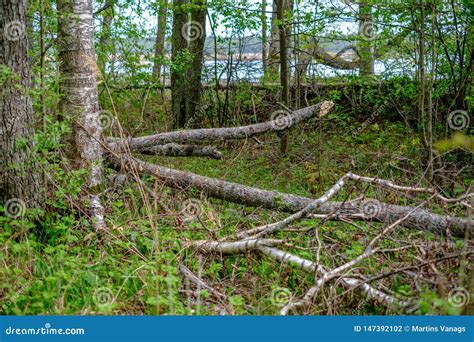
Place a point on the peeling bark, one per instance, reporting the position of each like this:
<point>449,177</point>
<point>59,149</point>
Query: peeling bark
<point>80,98</point>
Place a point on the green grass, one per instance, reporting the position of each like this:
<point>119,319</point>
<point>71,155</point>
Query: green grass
<point>52,262</point>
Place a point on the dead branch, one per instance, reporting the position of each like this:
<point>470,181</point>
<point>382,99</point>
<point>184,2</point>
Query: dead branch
<point>303,264</point>
<point>219,134</point>
<point>199,282</point>
<point>348,282</point>
<point>233,247</point>
<point>372,210</point>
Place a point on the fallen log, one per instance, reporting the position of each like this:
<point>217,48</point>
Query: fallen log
<point>283,121</point>
<point>176,150</point>
<point>371,210</point>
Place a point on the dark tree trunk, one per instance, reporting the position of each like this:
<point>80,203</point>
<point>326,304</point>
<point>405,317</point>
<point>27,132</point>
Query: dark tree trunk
<point>79,87</point>
<point>264,36</point>
<point>160,40</point>
<point>284,77</point>
<point>196,37</point>
<point>178,96</point>
<point>19,174</point>
<point>274,48</point>
<point>366,35</point>
<point>104,40</point>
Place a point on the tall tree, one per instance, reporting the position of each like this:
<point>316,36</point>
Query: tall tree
<point>104,37</point>
<point>178,51</point>
<point>274,48</point>
<point>284,75</point>
<point>196,37</point>
<point>366,35</point>
<point>19,175</point>
<point>80,98</point>
<point>189,37</point>
<point>160,39</point>
<point>264,36</point>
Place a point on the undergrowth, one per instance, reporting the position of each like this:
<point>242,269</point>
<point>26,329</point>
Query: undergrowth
<point>53,262</point>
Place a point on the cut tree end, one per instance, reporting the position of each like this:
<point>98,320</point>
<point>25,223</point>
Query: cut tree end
<point>326,107</point>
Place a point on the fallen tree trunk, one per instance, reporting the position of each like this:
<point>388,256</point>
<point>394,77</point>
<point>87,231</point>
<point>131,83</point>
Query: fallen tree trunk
<point>176,150</point>
<point>281,122</point>
<point>418,219</point>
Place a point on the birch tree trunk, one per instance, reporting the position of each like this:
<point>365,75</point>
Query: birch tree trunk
<point>160,40</point>
<point>79,88</point>
<point>19,174</point>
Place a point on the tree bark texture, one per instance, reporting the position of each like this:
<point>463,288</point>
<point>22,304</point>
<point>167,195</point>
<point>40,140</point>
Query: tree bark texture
<point>19,174</point>
<point>196,37</point>
<point>178,81</point>
<point>79,88</point>
<point>160,40</point>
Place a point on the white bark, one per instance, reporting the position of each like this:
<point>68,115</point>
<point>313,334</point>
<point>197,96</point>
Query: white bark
<point>80,98</point>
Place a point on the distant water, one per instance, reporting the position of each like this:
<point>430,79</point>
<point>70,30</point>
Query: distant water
<point>252,70</point>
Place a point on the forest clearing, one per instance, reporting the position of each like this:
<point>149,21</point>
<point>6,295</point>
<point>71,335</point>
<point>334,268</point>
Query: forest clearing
<point>218,157</point>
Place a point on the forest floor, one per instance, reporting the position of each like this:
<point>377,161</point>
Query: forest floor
<point>61,266</point>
